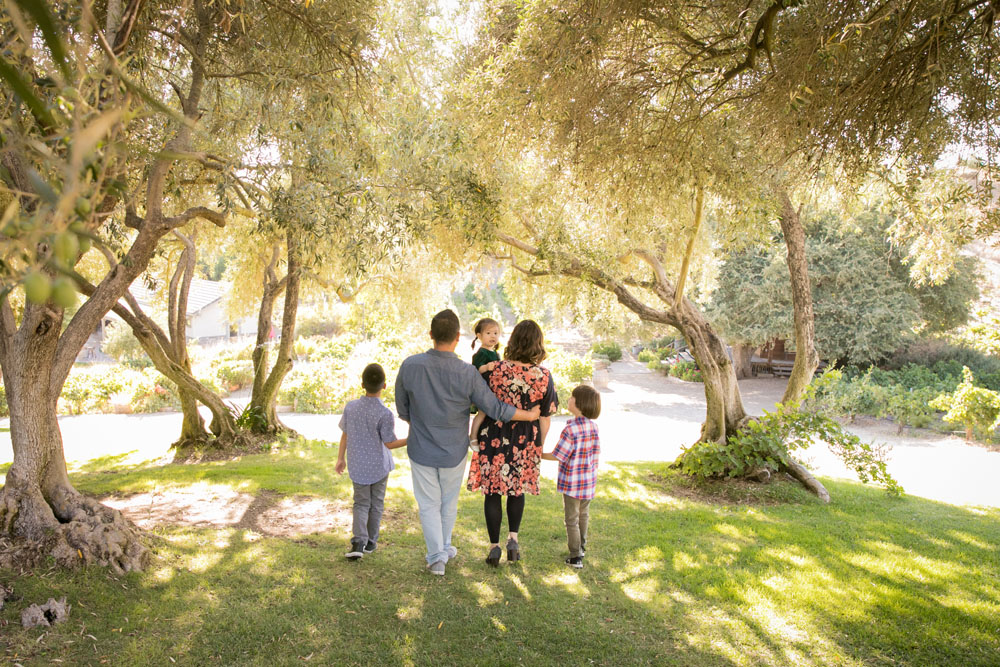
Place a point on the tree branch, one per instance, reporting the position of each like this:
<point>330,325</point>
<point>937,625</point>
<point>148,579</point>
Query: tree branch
<point>215,217</point>
<point>761,38</point>
<point>685,265</point>
<point>571,266</point>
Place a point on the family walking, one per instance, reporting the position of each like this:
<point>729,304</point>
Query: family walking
<point>515,399</point>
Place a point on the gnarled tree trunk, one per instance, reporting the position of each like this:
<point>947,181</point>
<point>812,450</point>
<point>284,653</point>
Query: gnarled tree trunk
<point>806,358</point>
<point>725,413</point>
<point>264,397</point>
<point>741,360</point>
<point>38,505</point>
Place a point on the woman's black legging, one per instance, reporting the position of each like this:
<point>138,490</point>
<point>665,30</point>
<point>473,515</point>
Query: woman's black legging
<point>493,507</point>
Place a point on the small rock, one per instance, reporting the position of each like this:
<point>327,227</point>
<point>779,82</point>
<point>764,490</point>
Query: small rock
<point>50,613</point>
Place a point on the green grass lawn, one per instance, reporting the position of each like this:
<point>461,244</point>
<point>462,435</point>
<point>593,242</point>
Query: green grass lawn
<point>675,574</point>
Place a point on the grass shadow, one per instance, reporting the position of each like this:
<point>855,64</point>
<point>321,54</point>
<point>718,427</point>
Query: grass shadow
<point>669,579</point>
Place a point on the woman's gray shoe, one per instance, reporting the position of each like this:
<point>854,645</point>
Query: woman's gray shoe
<point>437,568</point>
<point>513,550</point>
<point>493,559</point>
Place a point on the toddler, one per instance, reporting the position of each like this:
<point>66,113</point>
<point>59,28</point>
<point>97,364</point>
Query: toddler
<point>485,360</point>
<point>367,435</point>
<point>577,451</point>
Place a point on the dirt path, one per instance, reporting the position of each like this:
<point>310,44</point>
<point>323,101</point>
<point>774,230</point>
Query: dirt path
<point>646,417</point>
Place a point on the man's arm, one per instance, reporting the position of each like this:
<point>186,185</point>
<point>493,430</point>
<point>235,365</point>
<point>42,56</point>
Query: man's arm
<point>488,402</point>
<point>341,455</point>
<point>526,415</point>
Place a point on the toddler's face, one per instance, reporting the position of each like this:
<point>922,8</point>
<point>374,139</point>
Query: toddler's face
<point>490,337</point>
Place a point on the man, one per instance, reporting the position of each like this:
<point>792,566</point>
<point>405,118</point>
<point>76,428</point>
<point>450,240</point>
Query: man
<point>433,393</point>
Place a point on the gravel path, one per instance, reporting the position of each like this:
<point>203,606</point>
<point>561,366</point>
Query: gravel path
<point>645,417</point>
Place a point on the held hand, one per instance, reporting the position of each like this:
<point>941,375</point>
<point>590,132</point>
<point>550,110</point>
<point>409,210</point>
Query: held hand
<point>535,413</point>
<point>490,366</point>
<point>340,467</point>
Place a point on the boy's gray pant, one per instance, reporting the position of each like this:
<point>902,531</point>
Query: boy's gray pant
<point>577,515</point>
<point>369,501</point>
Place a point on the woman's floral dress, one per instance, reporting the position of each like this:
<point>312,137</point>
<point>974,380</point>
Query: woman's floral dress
<point>509,452</point>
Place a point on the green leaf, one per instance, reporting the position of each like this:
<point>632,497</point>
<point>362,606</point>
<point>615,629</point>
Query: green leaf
<point>40,13</point>
<point>21,88</point>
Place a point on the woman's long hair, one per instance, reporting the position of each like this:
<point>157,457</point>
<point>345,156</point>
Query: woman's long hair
<point>525,343</point>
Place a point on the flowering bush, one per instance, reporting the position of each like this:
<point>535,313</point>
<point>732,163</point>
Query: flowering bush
<point>686,370</point>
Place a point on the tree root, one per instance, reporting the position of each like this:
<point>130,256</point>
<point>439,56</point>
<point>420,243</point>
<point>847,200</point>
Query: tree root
<point>221,449</point>
<point>52,612</point>
<point>799,472</point>
<point>75,530</point>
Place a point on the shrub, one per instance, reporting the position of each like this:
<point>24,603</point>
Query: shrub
<point>315,390</point>
<point>609,349</point>
<point>932,352</point>
<point>654,364</point>
<point>234,374</point>
<point>568,371</point>
<point>911,407</point>
<point>317,324</point>
<point>91,389</point>
<point>151,392</point>
<point>303,348</point>
<point>768,442</point>
<point>686,370</point>
<point>335,351</point>
<point>123,347</point>
<point>249,418</point>
<point>665,353</point>
<point>569,368</point>
<point>983,335</point>
<point>646,356</point>
<point>975,408</point>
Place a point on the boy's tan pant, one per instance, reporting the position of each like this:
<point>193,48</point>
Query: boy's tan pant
<point>577,514</point>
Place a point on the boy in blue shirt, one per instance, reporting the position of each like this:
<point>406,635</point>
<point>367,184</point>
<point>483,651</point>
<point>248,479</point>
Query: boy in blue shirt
<point>367,435</point>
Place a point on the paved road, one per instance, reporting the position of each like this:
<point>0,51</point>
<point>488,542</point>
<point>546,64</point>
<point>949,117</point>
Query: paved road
<point>645,417</point>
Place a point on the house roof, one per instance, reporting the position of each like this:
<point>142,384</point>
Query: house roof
<point>203,293</point>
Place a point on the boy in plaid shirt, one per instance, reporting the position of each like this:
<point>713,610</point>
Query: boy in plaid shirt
<point>577,451</point>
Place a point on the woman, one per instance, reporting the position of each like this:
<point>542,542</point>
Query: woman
<point>506,463</point>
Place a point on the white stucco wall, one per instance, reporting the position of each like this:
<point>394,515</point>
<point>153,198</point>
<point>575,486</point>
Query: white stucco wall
<point>209,322</point>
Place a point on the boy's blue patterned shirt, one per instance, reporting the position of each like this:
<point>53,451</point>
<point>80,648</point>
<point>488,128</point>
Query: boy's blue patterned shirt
<point>368,425</point>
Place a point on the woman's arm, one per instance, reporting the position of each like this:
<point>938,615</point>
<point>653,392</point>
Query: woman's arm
<point>543,427</point>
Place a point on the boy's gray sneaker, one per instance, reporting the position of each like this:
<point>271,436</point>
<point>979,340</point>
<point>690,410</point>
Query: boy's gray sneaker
<point>356,551</point>
<point>452,552</point>
<point>370,547</point>
<point>437,568</point>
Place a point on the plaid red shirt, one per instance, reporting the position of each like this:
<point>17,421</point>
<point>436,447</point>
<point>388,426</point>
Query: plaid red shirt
<point>578,449</point>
